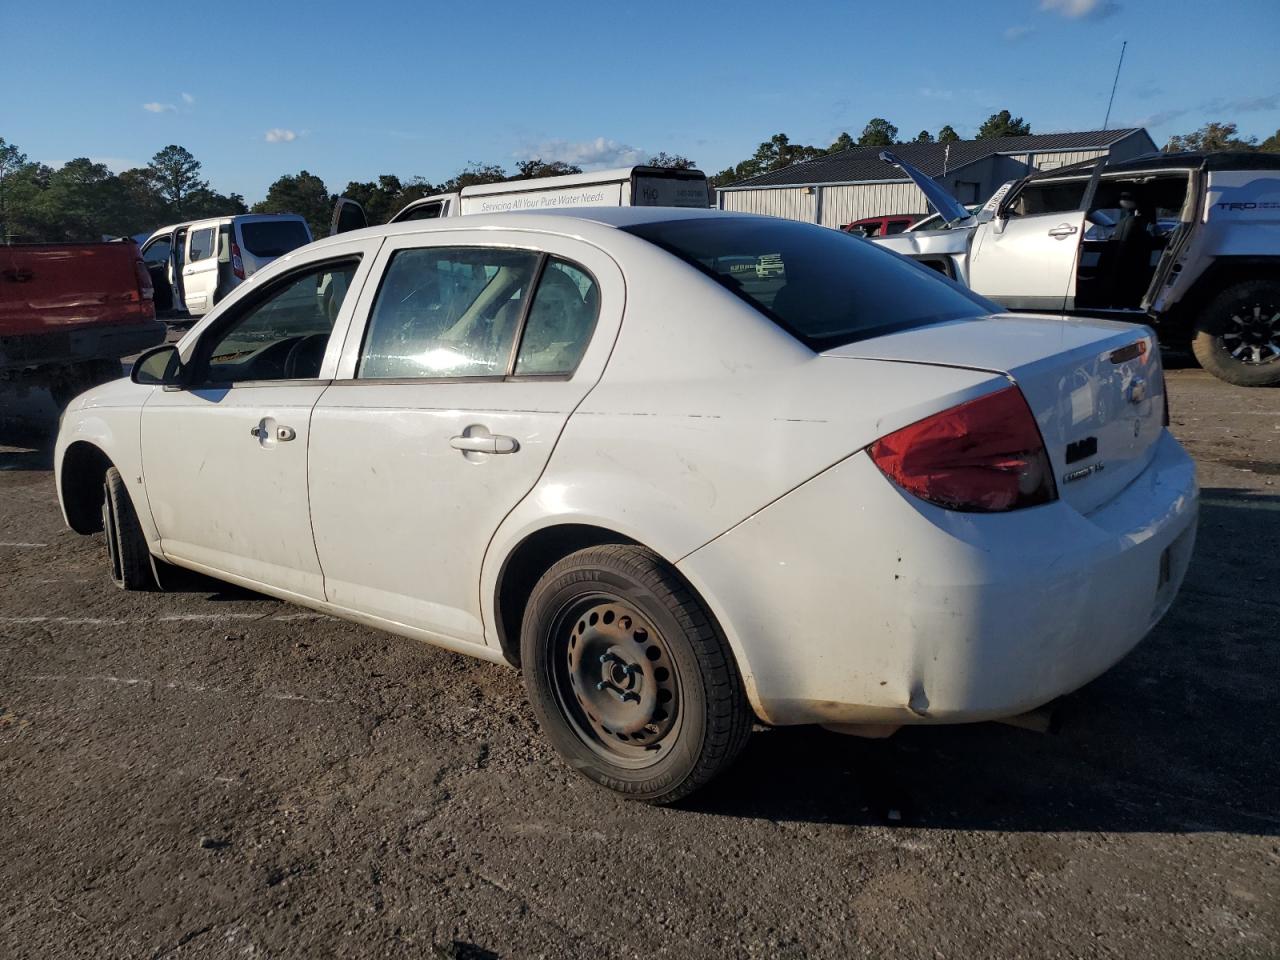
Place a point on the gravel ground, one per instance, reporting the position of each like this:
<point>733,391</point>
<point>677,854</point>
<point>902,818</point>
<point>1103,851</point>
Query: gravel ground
<point>211,773</point>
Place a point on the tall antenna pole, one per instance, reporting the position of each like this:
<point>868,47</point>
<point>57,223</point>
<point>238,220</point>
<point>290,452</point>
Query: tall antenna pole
<point>1115,84</point>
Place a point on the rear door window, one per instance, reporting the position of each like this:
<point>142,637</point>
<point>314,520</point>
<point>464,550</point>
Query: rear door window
<point>561,318</point>
<point>201,244</point>
<point>447,312</point>
<point>272,238</point>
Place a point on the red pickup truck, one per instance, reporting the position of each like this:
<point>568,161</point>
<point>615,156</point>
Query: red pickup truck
<point>70,311</point>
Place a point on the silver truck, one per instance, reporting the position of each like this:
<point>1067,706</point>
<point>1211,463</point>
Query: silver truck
<point>1186,242</point>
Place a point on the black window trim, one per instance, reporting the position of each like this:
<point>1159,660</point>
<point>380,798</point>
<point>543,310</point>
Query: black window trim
<point>200,359</point>
<point>510,376</point>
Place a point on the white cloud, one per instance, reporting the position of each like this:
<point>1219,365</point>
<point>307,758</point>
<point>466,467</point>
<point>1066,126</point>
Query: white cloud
<point>280,135</point>
<point>933,93</point>
<point>188,99</point>
<point>1014,34</point>
<point>1081,9</point>
<point>588,154</point>
<point>155,107</point>
<point>1244,104</point>
<point>1160,118</point>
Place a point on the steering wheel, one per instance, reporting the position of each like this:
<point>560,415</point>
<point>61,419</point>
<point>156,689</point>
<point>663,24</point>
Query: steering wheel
<point>305,356</point>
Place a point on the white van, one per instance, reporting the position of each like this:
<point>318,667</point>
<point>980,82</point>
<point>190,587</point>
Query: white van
<point>195,264</point>
<point>638,186</point>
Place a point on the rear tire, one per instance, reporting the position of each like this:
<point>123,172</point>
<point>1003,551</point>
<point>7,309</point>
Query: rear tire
<point>1237,337</point>
<point>128,558</point>
<point>629,675</point>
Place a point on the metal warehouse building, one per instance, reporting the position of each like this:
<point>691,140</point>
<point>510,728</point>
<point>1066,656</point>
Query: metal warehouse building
<point>847,186</point>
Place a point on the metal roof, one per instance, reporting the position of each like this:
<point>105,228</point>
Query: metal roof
<point>863,164</point>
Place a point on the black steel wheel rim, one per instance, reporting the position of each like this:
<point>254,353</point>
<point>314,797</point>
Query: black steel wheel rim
<point>1252,333</point>
<point>615,680</point>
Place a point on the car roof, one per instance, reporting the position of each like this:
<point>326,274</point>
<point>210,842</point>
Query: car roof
<point>227,218</point>
<point>1190,160</point>
<point>584,221</point>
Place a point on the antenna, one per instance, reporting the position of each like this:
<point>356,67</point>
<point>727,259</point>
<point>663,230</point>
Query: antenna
<point>1114,84</point>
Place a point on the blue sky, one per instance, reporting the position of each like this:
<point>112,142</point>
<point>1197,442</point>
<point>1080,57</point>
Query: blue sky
<point>352,90</point>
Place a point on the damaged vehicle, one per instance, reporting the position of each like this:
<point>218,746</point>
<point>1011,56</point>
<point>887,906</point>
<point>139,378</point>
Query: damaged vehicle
<point>681,495</point>
<point>1187,242</point>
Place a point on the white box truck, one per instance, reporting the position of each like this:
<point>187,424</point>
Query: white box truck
<point>639,186</point>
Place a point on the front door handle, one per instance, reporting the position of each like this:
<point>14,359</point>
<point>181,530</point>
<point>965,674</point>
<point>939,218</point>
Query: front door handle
<point>485,443</point>
<point>1062,230</point>
<point>267,431</point>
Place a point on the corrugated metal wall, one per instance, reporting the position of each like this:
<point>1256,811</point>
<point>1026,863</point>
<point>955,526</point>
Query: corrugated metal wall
<point>793,203</point>
<point>1052,161</point>
<point>845,204</point>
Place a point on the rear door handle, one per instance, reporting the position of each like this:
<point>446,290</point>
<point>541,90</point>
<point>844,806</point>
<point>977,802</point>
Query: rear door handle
<point>1062,230</point>
<point>490,443</point>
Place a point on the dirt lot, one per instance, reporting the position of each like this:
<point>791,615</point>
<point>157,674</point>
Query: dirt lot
<point>210,773</point>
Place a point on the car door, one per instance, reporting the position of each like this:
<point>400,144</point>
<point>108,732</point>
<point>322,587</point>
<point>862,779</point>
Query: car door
<point>225,455</point>
<point>1026,258</point>
<point>200,272</point>
<point>447,407</point>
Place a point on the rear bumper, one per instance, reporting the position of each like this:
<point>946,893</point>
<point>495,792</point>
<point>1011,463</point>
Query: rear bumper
<point>60,348</point>
<point>848,601</point>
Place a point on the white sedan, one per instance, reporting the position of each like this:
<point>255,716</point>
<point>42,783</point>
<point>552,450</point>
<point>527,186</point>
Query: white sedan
<point>680,494</point>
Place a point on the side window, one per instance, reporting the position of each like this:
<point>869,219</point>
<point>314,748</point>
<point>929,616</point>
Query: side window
<point>158,252</point>
<point>897,226</point>
<point>1049,197</point>
<point>428,211</point>
<point>201,244</point>
<point>447,312</point>
<point>561,319</point>
<point>284,336</point>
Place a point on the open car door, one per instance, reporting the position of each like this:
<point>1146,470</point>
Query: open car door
<point>347,215</point>
<point>1027,256</point>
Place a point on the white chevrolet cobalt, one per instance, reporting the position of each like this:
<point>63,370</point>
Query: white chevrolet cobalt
<point>679,490</point>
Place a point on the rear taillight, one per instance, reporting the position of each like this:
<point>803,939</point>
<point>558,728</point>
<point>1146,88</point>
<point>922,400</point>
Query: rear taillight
<point>982,456</point>
<point>146,291</point>
<point>237,264</point>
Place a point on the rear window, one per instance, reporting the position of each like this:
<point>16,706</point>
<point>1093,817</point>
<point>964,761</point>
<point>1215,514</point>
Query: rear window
<point>823,286</point>
<point>273,238</point>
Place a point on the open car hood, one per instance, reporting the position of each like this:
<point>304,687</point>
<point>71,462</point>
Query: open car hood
<point>951,209</point>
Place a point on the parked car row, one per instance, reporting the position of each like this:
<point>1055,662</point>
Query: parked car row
<point>687,469</point>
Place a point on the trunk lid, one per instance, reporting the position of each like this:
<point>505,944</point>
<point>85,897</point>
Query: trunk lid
<point>1096,388</point>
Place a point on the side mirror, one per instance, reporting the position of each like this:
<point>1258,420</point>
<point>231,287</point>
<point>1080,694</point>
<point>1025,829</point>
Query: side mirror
<point>998,224</point>
<point>158,367</point>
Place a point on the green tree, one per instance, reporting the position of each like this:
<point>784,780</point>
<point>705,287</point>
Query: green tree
<point>82,200</point>
<point>1211,138</point>
<point>177,173</point>
<point>948,134</point>
<point>473,174</point>
<point>303,194</point>
<point>841,143</point>
<point>924,136</point>
<point>671,161</point>
<point>878,132</point>
<point>11,159</point>
<point>1002,124</point>
<point>1271,144</point>
<point>537,167</point>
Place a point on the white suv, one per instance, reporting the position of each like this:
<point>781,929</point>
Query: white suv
<point>195,264</point>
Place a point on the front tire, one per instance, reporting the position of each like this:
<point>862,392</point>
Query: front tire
<point>128,558</point>
<point>1237,337</point>
<point>629,675</point>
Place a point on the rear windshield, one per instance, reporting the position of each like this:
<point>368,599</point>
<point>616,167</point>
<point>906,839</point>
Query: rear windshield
<point>273,238</point>
<point>823,286</point>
